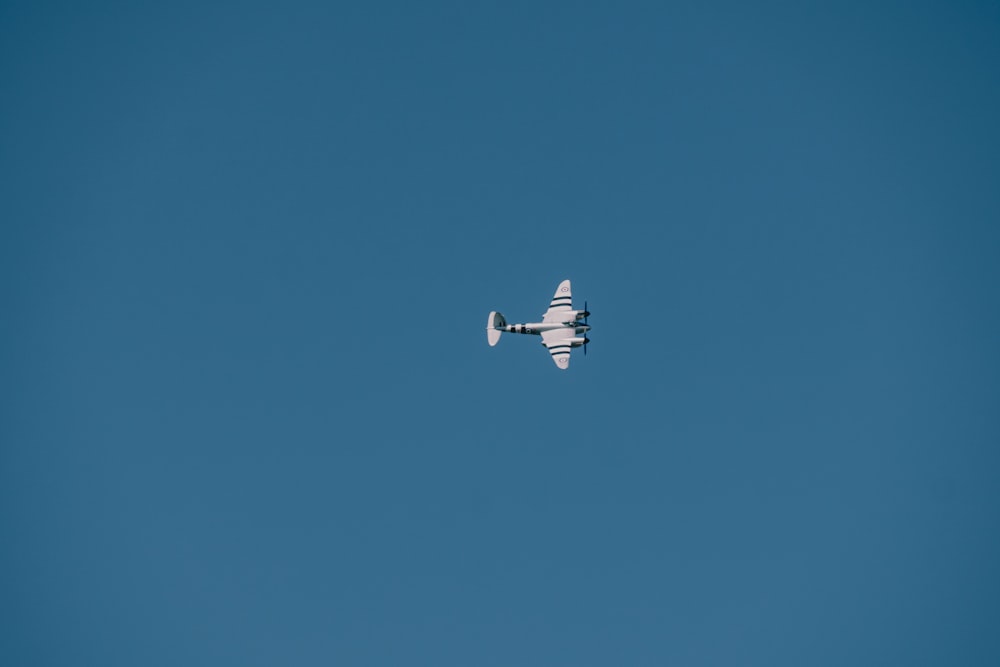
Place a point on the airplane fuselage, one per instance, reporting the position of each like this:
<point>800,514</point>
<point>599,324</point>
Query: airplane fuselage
<point>536,328</point>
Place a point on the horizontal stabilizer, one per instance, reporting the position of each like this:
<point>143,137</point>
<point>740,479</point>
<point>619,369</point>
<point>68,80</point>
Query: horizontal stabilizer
<point>494,323</point>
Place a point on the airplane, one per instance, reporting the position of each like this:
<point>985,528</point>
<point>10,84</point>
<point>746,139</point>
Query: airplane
<point>559,326</point>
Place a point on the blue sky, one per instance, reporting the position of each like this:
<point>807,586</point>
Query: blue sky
<point>250,417</point>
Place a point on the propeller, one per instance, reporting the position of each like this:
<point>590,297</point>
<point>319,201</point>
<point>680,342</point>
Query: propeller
<point>586,316</point>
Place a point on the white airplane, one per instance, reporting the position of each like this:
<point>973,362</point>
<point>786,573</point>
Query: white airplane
<point>559,326</point>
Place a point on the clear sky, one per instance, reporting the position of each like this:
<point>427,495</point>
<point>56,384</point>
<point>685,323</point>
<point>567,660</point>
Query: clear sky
<point>249,415</point>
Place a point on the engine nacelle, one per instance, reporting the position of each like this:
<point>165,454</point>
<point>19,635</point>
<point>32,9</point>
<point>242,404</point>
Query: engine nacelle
<point>576,342</point>
<point>575,317</point>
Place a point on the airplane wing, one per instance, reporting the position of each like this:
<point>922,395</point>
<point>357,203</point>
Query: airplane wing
<point>562,303</point>
<point>555,340</point>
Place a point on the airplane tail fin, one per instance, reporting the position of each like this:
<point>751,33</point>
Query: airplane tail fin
<point>493,324</point>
